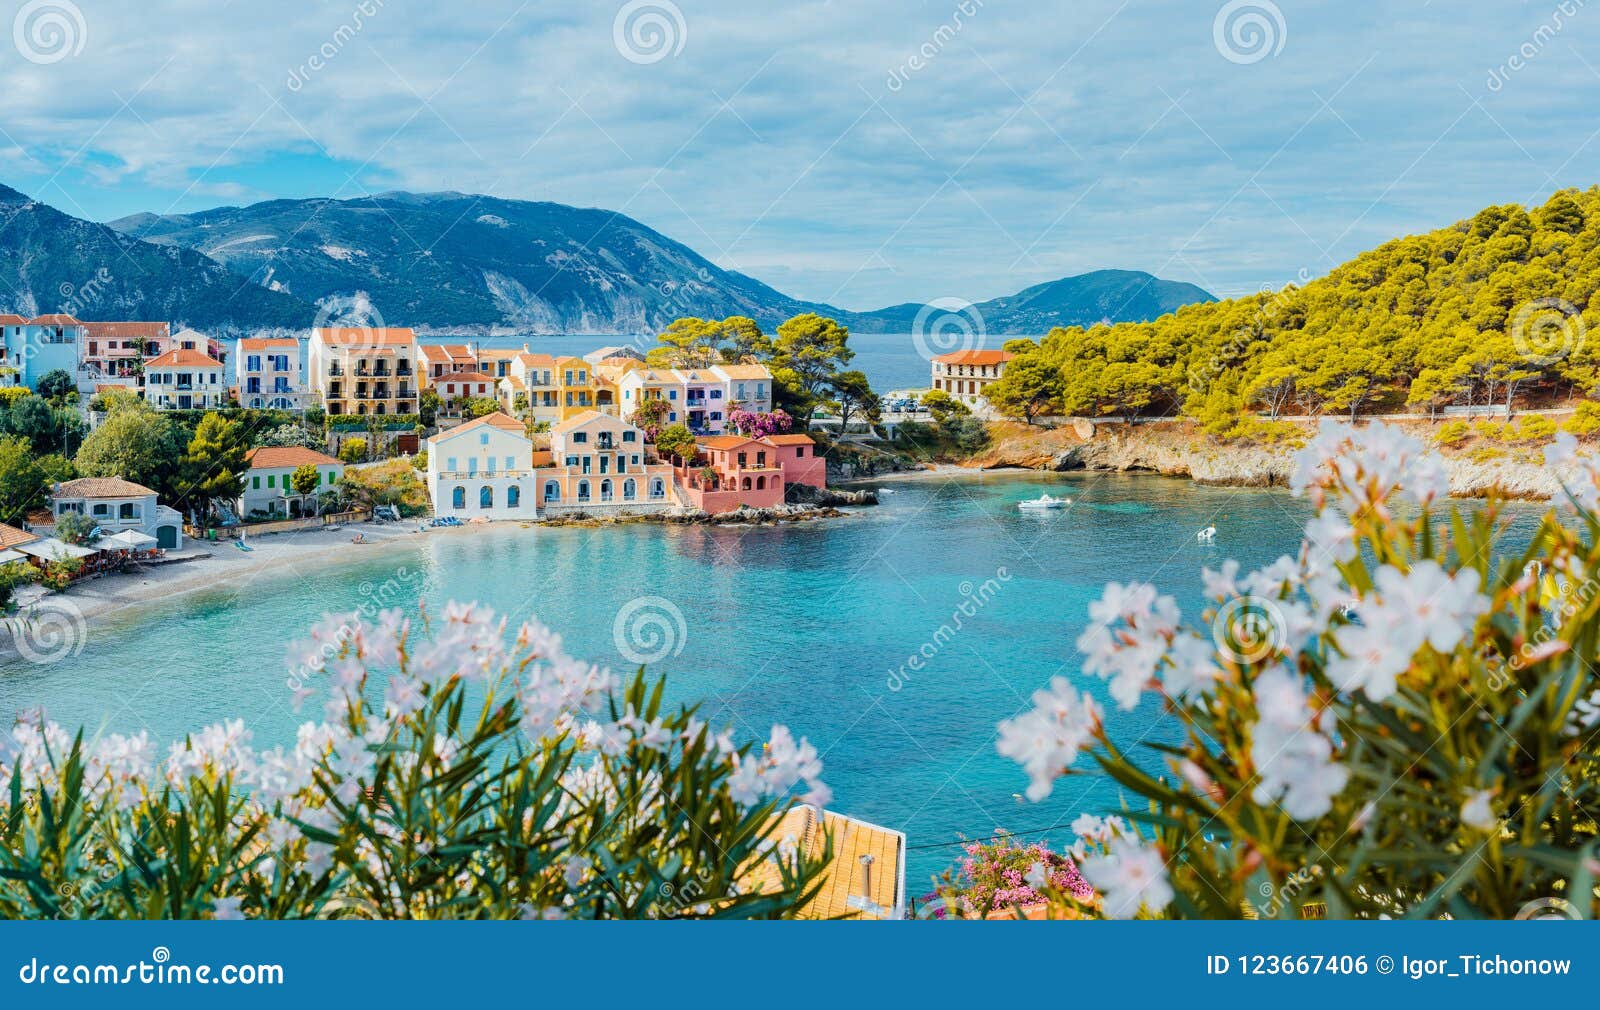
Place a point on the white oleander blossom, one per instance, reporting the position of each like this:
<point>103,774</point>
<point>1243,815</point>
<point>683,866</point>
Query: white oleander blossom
<point>1130,876</point>
<point>1405,610</point>
<point>1128,639</point>
<point>1363,467</point>
<point>1291,751</point>
<point>1579,472</point>
<point>782,763</point>
<point>1047,738</point>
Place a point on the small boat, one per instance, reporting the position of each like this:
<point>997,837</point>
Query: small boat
<point>1207,535</point>
<point>1044,501</point>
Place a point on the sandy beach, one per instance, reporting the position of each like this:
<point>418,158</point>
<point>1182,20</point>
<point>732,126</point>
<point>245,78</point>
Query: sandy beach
<point>215,565</point>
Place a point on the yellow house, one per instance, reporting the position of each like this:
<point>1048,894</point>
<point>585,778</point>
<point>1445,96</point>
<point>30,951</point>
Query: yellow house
<point>575,386</point>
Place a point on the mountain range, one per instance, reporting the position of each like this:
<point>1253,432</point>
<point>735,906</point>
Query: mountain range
<point>451,263</point>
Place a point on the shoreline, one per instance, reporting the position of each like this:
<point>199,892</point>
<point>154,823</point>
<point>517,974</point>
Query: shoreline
<point>204,565</point>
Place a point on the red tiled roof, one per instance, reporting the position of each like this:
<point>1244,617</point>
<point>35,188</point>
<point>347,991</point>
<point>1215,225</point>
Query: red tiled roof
<point>100,487</point>
<point>8,319</point>
<point>975,358</point>
<point>789,439</point>
<point>123,330</point>
<point>446,352</point>
<point>55,319</point>
<point>274,456</point>
<point>262,343</point>
<point>10,536</point>
<point>724,441</point>
<point>178,357</point>
<point>469,377</point>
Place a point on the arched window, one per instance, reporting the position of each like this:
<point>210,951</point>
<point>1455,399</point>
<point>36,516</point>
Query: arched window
<point>458,498</point>
<point>486,497</point>
<point>513,496</point>
<point>657,489</point>
<point>747,483</point>
<point>552,490</point>
<point>629,489</point>
<point>583,490</point>
<point>361,408</point>
<point>761,483</point>
<point>605,490</point>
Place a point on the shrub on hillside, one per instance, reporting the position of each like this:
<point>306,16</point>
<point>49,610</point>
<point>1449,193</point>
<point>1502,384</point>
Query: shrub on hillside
<point>1585,420</point>
<point>1393,722</point>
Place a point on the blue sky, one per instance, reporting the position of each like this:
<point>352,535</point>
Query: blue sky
<point>856,153</point>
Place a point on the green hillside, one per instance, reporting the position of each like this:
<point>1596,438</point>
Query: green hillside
<point>1491,310</point>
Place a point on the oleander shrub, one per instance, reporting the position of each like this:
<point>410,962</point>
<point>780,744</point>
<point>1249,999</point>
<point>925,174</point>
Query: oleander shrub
<point>1392,722</point>
<point>458,772</point>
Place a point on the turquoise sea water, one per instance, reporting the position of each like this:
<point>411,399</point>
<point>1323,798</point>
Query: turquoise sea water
<point>807,624</point>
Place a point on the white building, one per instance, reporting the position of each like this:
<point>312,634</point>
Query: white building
<point>269,374</point>
<point>269,483</point>
<point>966,374</point>
<point>184,380</point>
<point>116,505</point>
<point>483,468</point>
<point>698,397</point>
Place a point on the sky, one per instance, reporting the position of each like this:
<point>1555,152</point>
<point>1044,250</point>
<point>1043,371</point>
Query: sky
<point>855,153</point>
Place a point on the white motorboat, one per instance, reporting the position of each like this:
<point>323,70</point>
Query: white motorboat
<point>1044,501</point>
<point>1207,535</point>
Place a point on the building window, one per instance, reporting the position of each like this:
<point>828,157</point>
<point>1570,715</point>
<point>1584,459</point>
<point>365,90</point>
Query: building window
<point>513,496</point>
<point>605,490</point>
<point>583,490</point>
<point>629,489</point>
<point>458,498</point>
<point>657,489</point>
<point>799,452</point>
<point>255,482</point>
<point>629,436</point>
<point>580,436</point>
<point>552,490</point>
<point>486,497</point>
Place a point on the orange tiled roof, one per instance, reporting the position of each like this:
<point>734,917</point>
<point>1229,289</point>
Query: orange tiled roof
<point>275,456</point>
<point>55,319</point>
<point>9,319</point>
<point>362,336</point>
<point>746,371</point>
<point>181,358</point>
<point>975,358</point>
<point>498,419</point>
<point>789,439</point>
<point>724,441</point>
<point>122,330</point>
<point>536,360</point>
<point>446,352</point>
<point>450,377</point>
<point>263,343</point>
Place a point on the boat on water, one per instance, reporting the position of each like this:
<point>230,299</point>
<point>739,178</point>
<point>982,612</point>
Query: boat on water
<point>1044,501</point>
<point>1207,535</point>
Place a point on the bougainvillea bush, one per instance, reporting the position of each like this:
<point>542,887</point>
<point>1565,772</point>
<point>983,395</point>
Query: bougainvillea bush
<point>1394,722</point>
<point>1003,873</point>
<point>460,771</point>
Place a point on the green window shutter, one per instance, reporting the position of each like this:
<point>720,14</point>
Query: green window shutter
<point>272,480</point>
<point>255,483</point>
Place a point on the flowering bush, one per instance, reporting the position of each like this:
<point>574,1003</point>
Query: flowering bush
<point>1002,873</point>
<point>754,425</point>
<point>480,778</point>
<point>1390,723</point>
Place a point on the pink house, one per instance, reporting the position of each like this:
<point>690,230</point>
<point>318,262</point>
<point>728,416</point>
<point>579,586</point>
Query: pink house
<point>732,470</point>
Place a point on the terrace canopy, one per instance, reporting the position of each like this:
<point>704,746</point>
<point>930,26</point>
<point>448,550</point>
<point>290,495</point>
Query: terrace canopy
<point>8,556</point>
<point>128,540</point>
<point>50,549</point>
